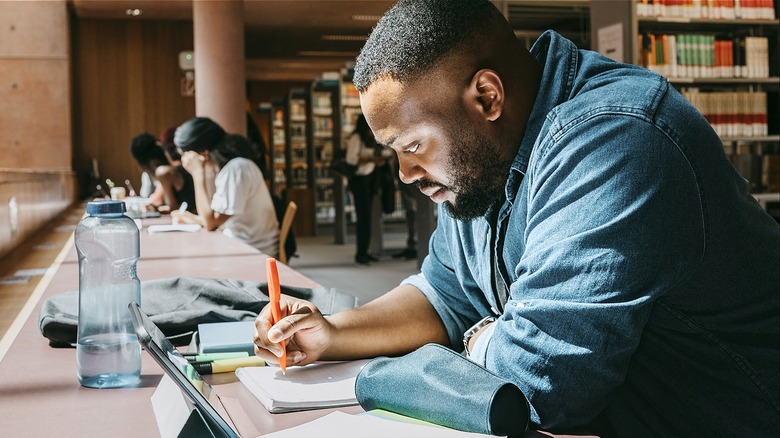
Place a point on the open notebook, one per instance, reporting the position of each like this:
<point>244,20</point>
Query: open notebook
<point>314,386</point>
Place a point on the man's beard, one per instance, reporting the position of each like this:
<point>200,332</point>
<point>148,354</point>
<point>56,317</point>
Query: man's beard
<point>478,173</point>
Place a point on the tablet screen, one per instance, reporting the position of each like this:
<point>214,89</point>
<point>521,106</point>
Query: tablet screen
<point>179,369</point>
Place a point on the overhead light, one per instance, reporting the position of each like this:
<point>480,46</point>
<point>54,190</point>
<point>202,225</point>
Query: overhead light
<point>366,17</point>
<point>327,53</point>
<point>344,37</point>
<point>133,12</point>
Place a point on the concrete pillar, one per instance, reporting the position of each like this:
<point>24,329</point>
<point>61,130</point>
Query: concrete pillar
<point>220,75</point>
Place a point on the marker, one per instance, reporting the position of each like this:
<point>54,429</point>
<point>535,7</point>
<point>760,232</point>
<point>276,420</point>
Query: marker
<point>275,296</point>
<point>227,365</point>
<point>183,207</point>
<point>208,357</point>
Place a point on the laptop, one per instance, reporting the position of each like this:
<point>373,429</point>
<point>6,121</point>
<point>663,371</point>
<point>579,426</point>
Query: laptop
<point>203,398</point>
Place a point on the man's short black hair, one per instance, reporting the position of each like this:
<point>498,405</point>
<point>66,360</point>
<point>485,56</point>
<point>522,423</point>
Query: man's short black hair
<point>414,35</point>
<point>145,148</point>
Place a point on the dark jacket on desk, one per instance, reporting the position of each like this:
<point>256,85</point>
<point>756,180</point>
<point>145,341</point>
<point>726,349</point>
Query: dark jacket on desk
<point>178,305</point>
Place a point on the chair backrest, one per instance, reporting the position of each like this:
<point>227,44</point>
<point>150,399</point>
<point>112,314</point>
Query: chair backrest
<point>289,215</point>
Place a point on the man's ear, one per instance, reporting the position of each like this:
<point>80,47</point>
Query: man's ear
<point>486,94</point>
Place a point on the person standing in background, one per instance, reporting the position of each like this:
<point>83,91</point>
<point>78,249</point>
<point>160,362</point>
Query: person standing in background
<point>409,199</point>
<point>174,184</point>
<point>362,152</point>
<point>241,204</point>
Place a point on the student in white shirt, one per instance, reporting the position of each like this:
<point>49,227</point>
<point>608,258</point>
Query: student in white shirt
<point>241,204</point>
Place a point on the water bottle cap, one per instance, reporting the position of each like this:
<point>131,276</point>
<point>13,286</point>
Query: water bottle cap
<point>106,207</point>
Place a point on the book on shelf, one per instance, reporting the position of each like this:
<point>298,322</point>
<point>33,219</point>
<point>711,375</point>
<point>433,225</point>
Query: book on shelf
<point>732,113</point>
<point>758,163</point>
<point>350,95</point>
<point>707,9</point>
<point>314,386</point>
<point>704,56</point>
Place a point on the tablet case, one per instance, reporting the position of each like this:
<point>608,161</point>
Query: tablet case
<point>438,385</point>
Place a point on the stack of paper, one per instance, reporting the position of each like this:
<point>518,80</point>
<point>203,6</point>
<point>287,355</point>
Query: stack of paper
<point>315,386</point>
<point>161,228</point>
<point>341,425</point>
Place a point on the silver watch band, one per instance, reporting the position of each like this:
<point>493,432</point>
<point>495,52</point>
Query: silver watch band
<point>474,329</point>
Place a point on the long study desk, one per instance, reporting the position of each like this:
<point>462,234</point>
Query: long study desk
<point>40,394</point>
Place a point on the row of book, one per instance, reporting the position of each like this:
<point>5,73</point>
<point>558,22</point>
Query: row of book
<point>297,109</point>
<point>321,103</point>
<point>758,163</point>
<point>349,94</point>
<point>705,56</point>
<point>707,9</point>
<point>732,113</point>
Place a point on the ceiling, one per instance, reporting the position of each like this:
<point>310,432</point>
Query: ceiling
<point>292,40</point>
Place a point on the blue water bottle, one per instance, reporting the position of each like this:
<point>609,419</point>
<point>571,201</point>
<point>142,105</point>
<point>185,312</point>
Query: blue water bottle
<point>108,354</point>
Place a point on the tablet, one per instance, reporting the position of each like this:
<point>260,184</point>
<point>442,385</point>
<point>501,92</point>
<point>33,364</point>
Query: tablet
<point>197,391</point>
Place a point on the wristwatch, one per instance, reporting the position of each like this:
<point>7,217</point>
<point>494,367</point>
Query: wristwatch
<point>474,329</point>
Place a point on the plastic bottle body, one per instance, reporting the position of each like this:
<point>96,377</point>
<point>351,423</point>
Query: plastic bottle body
<point>108,353</point>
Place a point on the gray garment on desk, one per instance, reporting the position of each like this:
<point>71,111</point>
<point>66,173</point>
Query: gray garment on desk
<point>178,305</point>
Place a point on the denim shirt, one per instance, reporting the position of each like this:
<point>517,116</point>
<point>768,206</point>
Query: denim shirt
<point>643,278</point>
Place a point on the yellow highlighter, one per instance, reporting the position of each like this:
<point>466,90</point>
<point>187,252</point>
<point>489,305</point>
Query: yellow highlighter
<point>227,365</point>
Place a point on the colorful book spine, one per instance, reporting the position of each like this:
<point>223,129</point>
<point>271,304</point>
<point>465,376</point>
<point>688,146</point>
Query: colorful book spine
<point>707,9</point>
<point>732,114</point>
<point>705,56</point>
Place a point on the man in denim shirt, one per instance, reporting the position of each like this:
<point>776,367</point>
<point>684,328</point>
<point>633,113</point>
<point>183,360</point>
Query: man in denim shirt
<point>630,281</point>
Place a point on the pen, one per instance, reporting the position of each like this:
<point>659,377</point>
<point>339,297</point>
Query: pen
<point>274,294</point>
<point>208,357</point>
<point>227,365</point>
<point>183,207</point>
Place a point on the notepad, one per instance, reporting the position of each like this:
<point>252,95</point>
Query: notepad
<point>226,337</point>
<point>314,386</point>
<point>162,228</point>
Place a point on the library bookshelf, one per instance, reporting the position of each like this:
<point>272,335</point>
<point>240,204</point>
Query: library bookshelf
<point>722,55</point>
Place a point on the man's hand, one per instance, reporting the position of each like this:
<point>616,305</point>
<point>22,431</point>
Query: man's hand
<point>306,332</point>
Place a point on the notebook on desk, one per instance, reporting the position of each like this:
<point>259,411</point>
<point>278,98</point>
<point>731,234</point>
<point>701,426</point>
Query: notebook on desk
<point>315,386</point>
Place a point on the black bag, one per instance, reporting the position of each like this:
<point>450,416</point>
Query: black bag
<point>340,165</point>
<point>178,305</point>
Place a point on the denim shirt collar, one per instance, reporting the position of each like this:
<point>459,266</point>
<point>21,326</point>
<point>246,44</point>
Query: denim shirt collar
<point>557,80</point>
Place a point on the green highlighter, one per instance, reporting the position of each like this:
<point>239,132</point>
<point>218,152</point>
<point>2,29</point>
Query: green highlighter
<point>208,357</point>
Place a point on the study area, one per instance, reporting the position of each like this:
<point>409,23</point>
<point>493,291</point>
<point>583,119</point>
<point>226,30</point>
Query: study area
<point>617,270</point>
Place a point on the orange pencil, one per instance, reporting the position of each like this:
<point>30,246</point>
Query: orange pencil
<point>275,295</point>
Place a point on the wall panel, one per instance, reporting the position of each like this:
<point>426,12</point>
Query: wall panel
<point>28,200</point>
<point>35,112</point>
<point>126,78</point>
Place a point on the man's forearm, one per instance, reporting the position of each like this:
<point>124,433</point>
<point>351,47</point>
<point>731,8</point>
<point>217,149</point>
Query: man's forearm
<point>393,324</point>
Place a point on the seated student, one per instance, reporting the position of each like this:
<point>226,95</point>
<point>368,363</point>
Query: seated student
<point>594,245</point>
<point>174,185</point>
<point>241,203</point>
<point>166,139</point>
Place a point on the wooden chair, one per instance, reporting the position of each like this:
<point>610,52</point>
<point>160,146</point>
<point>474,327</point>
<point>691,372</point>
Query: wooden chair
<point>289,215</point>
